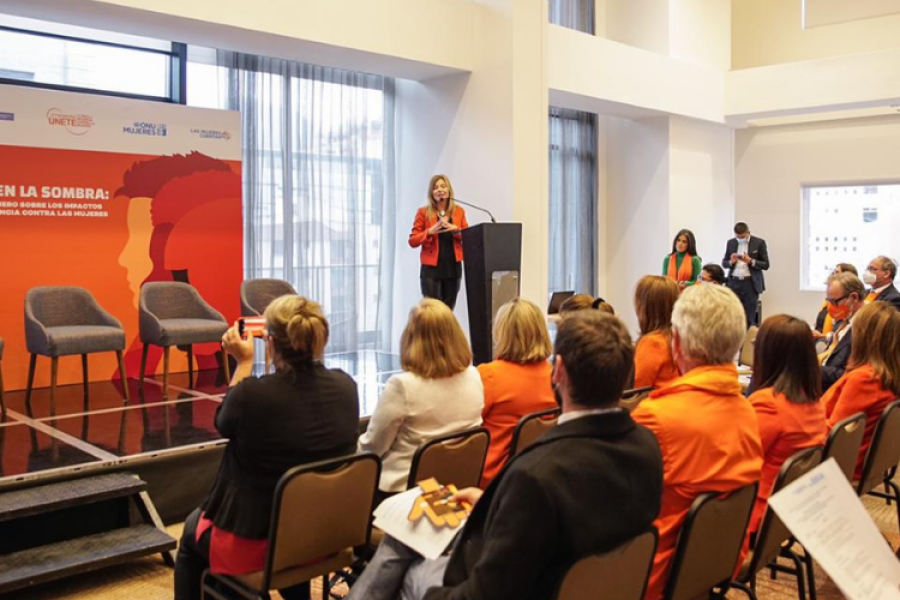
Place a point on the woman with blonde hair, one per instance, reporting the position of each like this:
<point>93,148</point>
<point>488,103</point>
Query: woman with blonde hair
<point>872,379</point>
<point>437,231</point>
<point>304,412</point>
<point>517,381</point>
<point>440,392</point>
<point>654,301</point>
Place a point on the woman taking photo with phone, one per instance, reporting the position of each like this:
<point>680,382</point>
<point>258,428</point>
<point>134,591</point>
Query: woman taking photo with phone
<point>437,231</point>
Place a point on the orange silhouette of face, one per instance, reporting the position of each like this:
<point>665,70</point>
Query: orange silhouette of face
<point>135,256</point>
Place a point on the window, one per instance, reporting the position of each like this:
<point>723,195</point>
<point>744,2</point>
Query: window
<point>61,56</point>
<point>573,201</point>
<point>847,224</point>
<point>574,14</point>
<point>317,167</point>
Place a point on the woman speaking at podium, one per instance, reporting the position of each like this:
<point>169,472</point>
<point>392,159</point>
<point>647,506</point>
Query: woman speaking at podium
<point>437,231</point>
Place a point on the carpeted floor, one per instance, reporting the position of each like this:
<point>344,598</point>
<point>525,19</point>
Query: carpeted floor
<point>150,579</point>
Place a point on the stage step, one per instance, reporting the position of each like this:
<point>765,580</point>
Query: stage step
<point>47,498</point>
<point>55,561</point>
<point>59,529</point>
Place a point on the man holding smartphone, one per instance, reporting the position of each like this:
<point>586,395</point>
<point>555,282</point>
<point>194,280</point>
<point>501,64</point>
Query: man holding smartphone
<point>746,258</point>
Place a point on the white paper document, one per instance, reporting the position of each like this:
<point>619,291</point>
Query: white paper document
<point>824,513</point>
<point>392,517</point>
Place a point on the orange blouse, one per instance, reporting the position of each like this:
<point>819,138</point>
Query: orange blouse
<point>419,236</point>
<point>710,443</point>
<point>653,363</point>
<point>785,427</point>
<point>858,390</point>
<point>511,391</point>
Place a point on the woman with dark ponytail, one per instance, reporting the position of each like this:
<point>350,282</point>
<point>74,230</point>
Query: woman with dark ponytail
<point>302,413</point>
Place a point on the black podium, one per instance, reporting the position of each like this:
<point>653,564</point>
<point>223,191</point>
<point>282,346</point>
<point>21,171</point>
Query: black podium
<point>493,261</point>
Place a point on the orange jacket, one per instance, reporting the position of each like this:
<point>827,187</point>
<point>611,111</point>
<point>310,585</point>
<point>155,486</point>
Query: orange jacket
<point>511,391</point>
<point>858,390</point>
<point>419,236</point>
<point>785,428</point>
<point>710,443</point>
<point>653,364</point>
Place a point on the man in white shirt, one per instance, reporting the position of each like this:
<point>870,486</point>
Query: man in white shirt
<point>746,258</point>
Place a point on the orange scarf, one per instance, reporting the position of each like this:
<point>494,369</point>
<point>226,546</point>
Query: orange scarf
<point>685,272</point>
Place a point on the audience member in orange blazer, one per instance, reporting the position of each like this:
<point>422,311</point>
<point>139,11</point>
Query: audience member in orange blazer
<point>788,383</point>
<point>654,299</point>
<point>437,231</point>
<point>517,381</point>
<point>706,429</point>
<point>872,380</point>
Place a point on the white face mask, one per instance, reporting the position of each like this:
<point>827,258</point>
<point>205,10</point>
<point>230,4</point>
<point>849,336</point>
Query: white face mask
<point>869,278</point>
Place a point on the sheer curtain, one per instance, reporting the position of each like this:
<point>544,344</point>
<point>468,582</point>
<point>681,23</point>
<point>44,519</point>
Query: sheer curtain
<point>573,201</point>
<point>318,187</point>
<point>574,14</point>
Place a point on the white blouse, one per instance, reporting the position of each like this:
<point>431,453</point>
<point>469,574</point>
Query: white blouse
<point>413,410</point>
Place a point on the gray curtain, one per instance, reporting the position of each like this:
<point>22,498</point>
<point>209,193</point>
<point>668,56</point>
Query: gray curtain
<point>318,188</point>
<point>574,14</point>
<point>573,201</point>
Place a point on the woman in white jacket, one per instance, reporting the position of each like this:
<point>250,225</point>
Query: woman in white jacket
<point>439,392</point>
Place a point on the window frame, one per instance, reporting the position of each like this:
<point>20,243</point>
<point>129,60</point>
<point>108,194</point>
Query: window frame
<point>177,68</point>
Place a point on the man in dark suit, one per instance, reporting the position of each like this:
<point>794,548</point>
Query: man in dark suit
<point>844,296</point>
<point>880,276</point>
<point>746,258</point>
<point>585,487</point>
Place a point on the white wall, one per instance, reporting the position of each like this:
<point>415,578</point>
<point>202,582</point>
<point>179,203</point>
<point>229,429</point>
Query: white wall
<point>637,211</point>
<point>640,23</point>
<point>771,166</point>
<point>398,38</point>
<point>487,131</point>
<point>768,32</point>
<point>660,175</point>
<point>700,32</point>
<point>701,184</point>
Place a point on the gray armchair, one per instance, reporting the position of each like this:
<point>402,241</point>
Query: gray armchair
<point>257,294</point>
<point>67,320</point>
<point>174,314</point>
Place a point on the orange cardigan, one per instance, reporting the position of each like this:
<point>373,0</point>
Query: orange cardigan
<point>511,391</point>
<point>710,443</point>
<point>785,428</point>
<point>419,236</point>
<point>653,364</point>
<point>858,390</point>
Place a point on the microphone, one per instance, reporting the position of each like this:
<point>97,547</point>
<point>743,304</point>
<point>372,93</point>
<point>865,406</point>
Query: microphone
<point>475,206</point>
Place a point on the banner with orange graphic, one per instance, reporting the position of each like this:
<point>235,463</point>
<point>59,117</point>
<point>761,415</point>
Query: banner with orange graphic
<point>106,194</point>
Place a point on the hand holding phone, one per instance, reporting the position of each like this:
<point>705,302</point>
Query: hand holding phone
<point>251,327</point>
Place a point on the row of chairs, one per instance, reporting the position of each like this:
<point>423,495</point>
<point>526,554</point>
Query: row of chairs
<point>712,536</point>
<point>68,321</point>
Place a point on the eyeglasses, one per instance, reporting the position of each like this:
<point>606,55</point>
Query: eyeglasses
<point>836,301</point>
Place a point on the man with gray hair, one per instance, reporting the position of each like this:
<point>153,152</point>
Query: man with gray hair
<point>880,276</point>
<point>705,427</point>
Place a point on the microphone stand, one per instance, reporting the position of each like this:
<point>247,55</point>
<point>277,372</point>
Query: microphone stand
<point>475,206</point>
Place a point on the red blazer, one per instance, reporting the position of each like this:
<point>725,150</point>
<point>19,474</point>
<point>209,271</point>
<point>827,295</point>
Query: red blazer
<point>419,236</point>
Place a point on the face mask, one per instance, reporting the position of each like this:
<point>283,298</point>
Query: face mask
<point>838,313</point>
<point>869,278</point>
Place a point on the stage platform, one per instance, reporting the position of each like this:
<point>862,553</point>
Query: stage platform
<point>172,443</point>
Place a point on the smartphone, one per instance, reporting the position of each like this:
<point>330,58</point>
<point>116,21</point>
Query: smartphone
<point>251,327</point>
